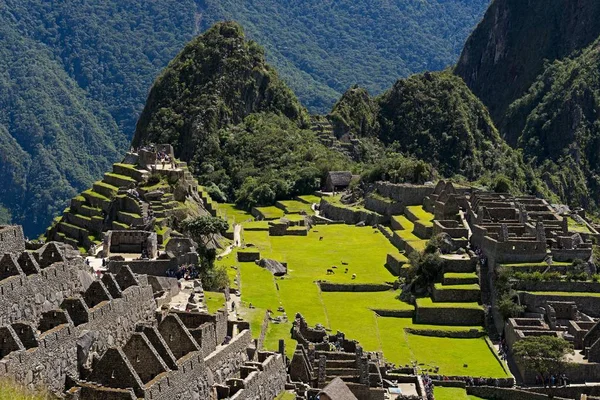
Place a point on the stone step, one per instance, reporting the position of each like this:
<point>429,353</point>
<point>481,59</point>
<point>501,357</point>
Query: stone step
<point>130,171</point>
<point>118,180</point>
<point>335,355</point>
<point>460,278</point>
<point>105,189</point>
<point>456,293</point>
<point>342,371</point>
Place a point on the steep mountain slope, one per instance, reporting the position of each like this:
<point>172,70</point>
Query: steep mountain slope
<point>435,118</point>
<point>226,111</point>
<point>558,127</point>
<point>53,138</point>
<point>506,52</point>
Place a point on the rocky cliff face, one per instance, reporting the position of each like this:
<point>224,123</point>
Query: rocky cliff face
<point>508,49</point>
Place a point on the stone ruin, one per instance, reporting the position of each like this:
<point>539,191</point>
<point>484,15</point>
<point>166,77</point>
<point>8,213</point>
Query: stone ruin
<point>561,319</point>
<point>85,337</point>
<point>320,358</point>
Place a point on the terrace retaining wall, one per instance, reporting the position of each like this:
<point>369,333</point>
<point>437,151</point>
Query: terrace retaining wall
<point>351,287</point>
<point>349,216</point>
<point>490,392</point>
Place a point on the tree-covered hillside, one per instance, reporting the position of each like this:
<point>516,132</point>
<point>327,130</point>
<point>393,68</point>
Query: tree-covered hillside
<point>89,66</point>
<point>558,126</point>
<point>321,48</point>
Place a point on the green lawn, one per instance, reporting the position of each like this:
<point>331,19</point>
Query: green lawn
<point>234,214</point>
<point>451,356</point>
<point>270,212</point>
<point>310,198</point>
<point>428,303</point>
<point>364,250</point>
<point>214,301</point>
<point>420,213</point>
<point>404,222</point>
<point>447,393</point>
<point>295,206</point>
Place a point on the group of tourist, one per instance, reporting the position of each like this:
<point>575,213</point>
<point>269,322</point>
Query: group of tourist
<point>185,271</point>
<point>429,386</point>
<point>165,159</point>
<point>553,380</point>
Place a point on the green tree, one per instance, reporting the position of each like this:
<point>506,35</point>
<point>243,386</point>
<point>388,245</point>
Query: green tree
<point>545,355</point>
<point>204,227</point>
<point>508,308</point>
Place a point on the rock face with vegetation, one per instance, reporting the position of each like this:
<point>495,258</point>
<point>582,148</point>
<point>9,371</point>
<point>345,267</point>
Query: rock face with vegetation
<point>534,64</point>
<point>217,80</point>
<point>508,49</point>
<point>226,111</point>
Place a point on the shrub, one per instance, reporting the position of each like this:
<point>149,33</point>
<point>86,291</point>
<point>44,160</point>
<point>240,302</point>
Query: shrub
<point>508,308</point>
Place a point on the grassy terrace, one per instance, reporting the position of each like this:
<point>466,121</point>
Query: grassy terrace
<point>404,222</point>
<point>295,207</point>
<point>420,213</point>
<point>575,226</point>
<point>473,286</point>
<point>447,393</point>
<point>270,212</point>
<point>460,275</point>
<point>428,303</point>
<point>310,199</point>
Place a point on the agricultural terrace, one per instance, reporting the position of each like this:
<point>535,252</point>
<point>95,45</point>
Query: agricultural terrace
<point>363,250</point>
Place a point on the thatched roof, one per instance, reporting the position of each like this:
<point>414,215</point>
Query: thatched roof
<point>338,390</point>
<point>340,178</point>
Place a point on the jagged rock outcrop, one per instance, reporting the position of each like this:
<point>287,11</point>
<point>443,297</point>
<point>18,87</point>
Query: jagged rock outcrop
<point>508,49</point>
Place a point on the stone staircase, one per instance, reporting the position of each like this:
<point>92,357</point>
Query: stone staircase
<point>325,134</point>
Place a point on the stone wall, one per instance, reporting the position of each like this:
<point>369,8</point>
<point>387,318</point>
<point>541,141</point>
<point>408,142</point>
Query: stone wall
<point>489,392</point>
<point>351,287</point>
<point>384,206</point>
<point>588,304</point>
<point>24,297</point>
<point>590,287</point>
<point>11,239</point>
<point>266,382</point>
<point>447,294</point>
<point>409,195</point>
<point>225,361</point>
<point>350,216</point>
<point>449,316</point>
<point>62,349</point>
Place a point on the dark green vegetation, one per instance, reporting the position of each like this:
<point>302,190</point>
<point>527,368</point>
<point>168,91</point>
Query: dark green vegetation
<point>74,77</point>
<point>535,66</point>
<point>228,113</point>
<point>75,74</point>
<point>544,355</point>
<point>322,48</point>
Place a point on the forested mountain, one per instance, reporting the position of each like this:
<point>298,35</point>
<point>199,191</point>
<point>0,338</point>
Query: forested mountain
<point>243,131</point>
<point>78,72</point>
<point>535,66</point>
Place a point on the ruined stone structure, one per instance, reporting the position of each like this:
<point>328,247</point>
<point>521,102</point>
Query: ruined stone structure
<point>320,358</point>
<point>88,338</point>
<point>131,197</point>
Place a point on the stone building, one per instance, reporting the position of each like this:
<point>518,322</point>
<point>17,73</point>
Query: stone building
<point>337,181</point>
